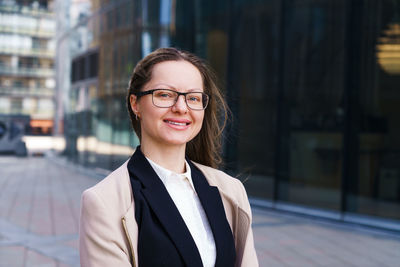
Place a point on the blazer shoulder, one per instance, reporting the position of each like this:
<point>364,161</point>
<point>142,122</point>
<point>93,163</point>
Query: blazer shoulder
<point>114,188</point>
<point>227,185</point>
<point>216,176</point>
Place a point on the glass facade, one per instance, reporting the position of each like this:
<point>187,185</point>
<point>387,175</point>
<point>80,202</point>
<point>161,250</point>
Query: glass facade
<point>313,86</point>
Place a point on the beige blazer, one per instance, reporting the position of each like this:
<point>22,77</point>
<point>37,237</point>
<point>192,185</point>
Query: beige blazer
<point>108,232</point>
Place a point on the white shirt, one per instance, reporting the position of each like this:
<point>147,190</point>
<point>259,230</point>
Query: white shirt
<point>181,189</point>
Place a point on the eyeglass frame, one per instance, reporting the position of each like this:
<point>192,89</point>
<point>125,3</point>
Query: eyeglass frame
<point>150,92</point>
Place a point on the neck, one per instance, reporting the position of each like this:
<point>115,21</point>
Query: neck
<point>169,157</point>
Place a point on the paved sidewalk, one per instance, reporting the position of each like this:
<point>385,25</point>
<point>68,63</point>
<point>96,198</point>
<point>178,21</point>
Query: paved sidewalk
<point>289,240</point>
<point>39,212</point>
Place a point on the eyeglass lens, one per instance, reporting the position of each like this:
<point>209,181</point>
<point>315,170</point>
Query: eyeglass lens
<point>167,98</point>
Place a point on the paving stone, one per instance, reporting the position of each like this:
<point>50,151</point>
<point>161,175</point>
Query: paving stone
<point>33,231</point>
<point>306,242</point>
<point>35,259</point>
<point>12,256</point>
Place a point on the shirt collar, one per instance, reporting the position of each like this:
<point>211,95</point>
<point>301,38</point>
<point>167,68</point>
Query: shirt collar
<point>164,173</point>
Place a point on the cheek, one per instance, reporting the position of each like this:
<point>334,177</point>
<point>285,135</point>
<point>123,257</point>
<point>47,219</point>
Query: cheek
<point>151,118</point>
<point>147,110</point>
<point>200,119</point>
<point>148,115</point>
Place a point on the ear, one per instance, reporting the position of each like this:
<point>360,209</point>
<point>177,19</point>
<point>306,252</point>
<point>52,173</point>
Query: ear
<point>134,104</point>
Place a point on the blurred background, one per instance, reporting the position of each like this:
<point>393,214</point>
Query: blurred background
<point>313,85</point>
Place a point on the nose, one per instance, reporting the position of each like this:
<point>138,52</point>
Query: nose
<point>180,105</point>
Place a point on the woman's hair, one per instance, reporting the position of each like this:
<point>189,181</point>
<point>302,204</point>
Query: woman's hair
<point>205,148</point>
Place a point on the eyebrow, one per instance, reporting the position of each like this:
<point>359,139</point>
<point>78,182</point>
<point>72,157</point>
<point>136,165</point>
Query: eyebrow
<point>166,86</point>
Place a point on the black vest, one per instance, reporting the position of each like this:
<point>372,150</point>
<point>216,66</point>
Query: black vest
<point>164,239</point>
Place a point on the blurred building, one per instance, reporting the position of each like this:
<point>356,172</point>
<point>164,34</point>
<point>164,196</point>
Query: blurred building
<point>27,52</point>
<point>313,86</point>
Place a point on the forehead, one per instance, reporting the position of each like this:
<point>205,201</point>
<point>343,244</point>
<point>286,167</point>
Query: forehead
<point>180,74</point>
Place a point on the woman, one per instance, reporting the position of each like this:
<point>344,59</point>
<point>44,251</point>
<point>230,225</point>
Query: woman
<point>167,205</point>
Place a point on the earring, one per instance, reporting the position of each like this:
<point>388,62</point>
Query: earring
<point>136,116</point>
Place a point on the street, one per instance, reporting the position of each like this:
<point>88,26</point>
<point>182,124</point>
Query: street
<point>39,214</point>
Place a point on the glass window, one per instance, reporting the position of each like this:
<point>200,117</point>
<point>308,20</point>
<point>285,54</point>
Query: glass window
<point>310,107</point>
<point>374,189</point>
<point>312,86</point>
<point>251,90</point>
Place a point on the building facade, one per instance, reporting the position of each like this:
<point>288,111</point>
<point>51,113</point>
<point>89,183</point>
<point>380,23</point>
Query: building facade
<point>27,30</point>
<point>313,87</point>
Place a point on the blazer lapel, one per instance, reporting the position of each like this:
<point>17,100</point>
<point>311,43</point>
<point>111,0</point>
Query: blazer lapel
<point>131,231</point>
<point>163,206</point>
<point>212,204</point>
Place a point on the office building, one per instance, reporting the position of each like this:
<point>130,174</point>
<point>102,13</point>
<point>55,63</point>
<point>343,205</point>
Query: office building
<point>313,87</point>
<point>27,52</point>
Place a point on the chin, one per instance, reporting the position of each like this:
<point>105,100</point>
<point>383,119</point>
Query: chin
<point>177,140</point>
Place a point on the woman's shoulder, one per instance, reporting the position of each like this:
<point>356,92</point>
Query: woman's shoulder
<point>114,188</point>
<point>218,175</point>
<point>227,185</point>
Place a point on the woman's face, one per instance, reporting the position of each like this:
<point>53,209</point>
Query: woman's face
<point>175,125</point>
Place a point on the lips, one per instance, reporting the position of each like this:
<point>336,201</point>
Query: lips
<point>177,122</point>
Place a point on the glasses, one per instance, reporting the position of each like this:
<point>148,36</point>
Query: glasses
<point>165,98</point>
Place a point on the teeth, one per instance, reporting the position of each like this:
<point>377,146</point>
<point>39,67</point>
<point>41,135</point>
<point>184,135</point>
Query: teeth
<point>177,123</point>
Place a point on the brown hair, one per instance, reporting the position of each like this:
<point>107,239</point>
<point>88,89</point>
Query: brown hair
<point>205,148</point>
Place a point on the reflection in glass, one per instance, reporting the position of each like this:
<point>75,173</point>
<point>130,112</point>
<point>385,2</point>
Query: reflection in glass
<point>313,87</point>
<point>377,189</point>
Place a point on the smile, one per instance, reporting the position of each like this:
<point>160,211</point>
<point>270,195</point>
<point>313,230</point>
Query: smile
<point>177,123</point>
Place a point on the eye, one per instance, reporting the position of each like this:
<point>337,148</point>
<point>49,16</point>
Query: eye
<point>164,94</point>
<point>194,98</point>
